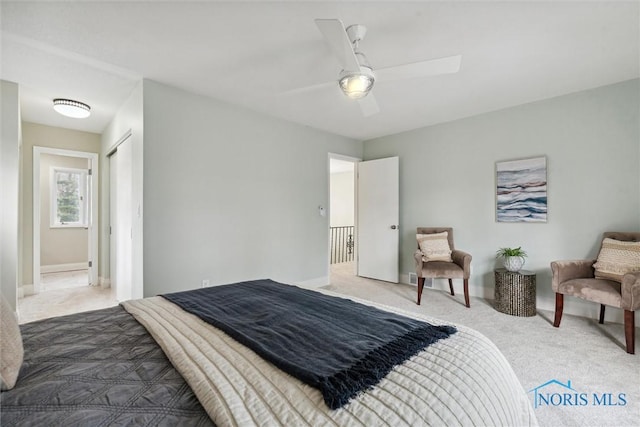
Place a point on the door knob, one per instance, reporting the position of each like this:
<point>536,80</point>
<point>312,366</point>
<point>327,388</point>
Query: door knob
<point>393,227</point>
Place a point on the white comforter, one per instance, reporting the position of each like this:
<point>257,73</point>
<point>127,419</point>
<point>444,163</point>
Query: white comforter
<point>462,380</point>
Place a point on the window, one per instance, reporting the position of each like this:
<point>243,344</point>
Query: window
<point>68,197</point>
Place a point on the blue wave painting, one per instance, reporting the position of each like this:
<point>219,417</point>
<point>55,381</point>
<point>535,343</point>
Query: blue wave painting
<point>521,193</point>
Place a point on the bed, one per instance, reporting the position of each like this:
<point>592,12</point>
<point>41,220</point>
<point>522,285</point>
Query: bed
<point>153,362</point>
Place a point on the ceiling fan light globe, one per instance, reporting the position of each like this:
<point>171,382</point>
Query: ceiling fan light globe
<point>356,86</point>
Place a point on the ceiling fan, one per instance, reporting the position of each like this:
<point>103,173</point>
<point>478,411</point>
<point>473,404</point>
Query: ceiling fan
<point>357,76</point>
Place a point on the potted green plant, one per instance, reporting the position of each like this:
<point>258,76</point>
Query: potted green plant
<point>512,258</point>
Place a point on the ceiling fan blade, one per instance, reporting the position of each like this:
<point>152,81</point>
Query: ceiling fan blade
<point>433,67</point>
<point>368,105</point>
<point>336,37</point>
<point>311,88</point>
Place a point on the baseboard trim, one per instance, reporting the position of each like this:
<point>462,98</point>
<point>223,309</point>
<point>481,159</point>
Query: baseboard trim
<point>438,284</point>
<point>104,282</point>
<point>314,283</point>
<point>25,290</point>
<point>572,306</point>
<point>56,268</point>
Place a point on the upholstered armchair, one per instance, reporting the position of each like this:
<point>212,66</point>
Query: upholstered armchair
<point>613,279</point>
<point>437,257</point>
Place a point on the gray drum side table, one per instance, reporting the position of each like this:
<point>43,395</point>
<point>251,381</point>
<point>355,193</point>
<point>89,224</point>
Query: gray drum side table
<point>515,292</point>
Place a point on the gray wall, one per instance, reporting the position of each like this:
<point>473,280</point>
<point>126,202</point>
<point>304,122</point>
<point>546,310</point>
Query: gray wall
<point>9,176</point>
<point>230,194</point>
<point>592,144</point>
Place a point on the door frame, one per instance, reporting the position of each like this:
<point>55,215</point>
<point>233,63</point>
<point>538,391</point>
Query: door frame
<point>355,161</point>
<point>92,218</point>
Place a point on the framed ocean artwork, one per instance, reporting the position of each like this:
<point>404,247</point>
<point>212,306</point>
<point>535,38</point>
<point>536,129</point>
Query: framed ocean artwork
<point>521,190</point>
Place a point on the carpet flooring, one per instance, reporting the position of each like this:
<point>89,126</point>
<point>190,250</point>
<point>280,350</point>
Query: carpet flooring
<point>63,299</point>
<point>589,355</point>
<point>604,379</point>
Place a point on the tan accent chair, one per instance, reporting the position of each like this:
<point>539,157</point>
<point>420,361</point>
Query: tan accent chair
<point>577,278</point>
<point>460,268</point>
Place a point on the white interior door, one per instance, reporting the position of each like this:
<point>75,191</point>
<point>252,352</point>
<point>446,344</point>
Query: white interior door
<point>121,221</point>
<point>378,219</point>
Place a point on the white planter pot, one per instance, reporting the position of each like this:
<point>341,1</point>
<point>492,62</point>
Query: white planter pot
<point>513,263</point>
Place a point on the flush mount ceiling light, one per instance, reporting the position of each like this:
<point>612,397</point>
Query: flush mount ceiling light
<point>71,108</point>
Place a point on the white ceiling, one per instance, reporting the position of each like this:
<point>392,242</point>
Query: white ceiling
<point>250,53</point>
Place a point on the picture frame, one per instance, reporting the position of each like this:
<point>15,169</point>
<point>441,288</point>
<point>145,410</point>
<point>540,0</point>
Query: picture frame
<point>521,190</point>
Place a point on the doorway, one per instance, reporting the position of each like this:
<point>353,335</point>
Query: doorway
<point>65,215</point>
<point>342,217</point>
<point>373,202</point>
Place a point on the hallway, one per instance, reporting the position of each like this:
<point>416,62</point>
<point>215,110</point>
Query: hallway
<point>64,293</point>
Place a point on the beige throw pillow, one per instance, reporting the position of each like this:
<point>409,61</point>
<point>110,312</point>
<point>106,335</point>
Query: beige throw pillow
<point>11,350</point>
<point>434,247</point>
<point>617,258</point>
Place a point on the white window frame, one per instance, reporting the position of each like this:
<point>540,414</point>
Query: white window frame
<point>53,222</point>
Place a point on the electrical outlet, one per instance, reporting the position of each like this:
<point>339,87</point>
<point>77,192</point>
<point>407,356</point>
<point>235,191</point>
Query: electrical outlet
<point>205,283</point>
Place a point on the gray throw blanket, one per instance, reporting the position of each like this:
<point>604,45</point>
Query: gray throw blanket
<point>335,345</point>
